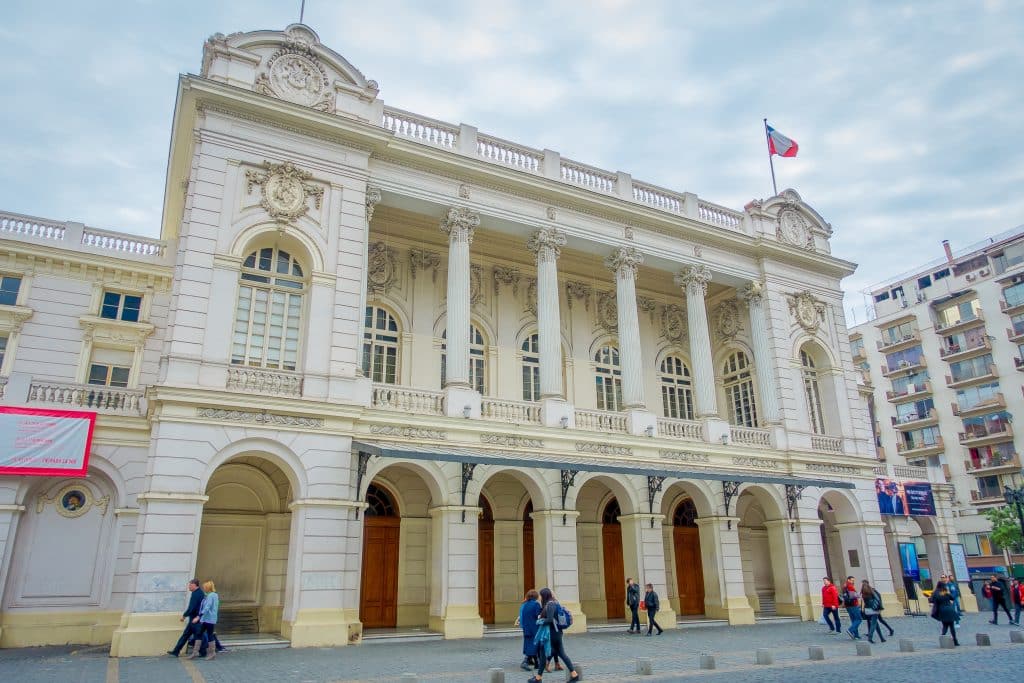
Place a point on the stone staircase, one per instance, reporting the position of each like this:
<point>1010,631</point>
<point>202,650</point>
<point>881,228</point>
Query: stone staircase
<point>767,601</point>
<point>237,620</point>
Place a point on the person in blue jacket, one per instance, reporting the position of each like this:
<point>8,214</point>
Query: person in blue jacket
<point>528,613</point>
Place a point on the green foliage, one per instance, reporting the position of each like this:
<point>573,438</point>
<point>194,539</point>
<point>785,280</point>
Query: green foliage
<point>1005,527</point>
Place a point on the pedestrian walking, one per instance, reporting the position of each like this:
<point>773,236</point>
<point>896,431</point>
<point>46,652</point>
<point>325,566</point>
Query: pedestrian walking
<point>195,601</point>
<point>633,602</point>
<point>994,592</point>
<point>830,605</point>
<point>1017,595</point>
<point>651,604</point>
<point>954,589</point>
<point>527,620</point>
<point>944,610</point>
<point>207,619</point>
<point>872,609</point>
<point>549,640</point>
<point>851,601</point>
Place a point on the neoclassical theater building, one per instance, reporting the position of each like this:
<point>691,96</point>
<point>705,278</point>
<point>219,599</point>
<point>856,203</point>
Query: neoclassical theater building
<point>383,371</point>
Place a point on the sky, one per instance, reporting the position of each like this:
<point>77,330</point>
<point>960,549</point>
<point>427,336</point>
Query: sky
<point>909,115</point>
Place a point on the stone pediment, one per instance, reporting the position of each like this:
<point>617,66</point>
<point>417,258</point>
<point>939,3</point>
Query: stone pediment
<point>796,223</point>
<point>290,65</point>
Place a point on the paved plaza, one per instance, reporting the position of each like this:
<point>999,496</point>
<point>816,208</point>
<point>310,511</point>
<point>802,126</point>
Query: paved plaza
<point>604,656</point>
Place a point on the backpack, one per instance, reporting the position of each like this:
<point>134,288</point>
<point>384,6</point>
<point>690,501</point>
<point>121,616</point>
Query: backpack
<point>987,591</point>
<point>563,617</point>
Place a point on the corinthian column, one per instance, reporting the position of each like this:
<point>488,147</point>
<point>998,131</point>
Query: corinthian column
<point>624,263</point>
<point>753,295</point>
<point>459,224</point>
<point>694,281</point>
<point>547,244</point>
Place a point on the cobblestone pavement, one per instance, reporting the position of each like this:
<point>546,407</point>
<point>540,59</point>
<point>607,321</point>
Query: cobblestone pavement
<point>604,656</point>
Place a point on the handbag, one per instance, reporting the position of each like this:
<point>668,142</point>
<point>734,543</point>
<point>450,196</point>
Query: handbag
<point>642,605</point>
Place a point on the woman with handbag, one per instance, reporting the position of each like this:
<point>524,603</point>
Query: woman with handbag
<point>872,606</point>
<point>527,620</point>
<point>944,610</point>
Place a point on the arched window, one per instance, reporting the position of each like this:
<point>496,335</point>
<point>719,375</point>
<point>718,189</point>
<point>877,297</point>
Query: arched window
<point>676,388</point>
<point>477,360</point>
<point>739,390</point>
<point>379,503</point>
<point>531,368</point>
<point>686,514</point>
<point>380,346</point>
<point>268,315</point>
<point>608,378</point>
<point>812,392</point>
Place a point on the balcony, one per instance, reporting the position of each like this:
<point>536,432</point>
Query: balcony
<point>915,421</point>
<point>750,436</point>
<point>887,345</point>
<point>407,400</point>
<point>827,444</point>
<point>516,412</point>
<point>1018,363</point>
<point>962,324</point>
<point>955,352</point>
<point>259,381</point>
<point>912,391</point>
<point>687,430</point>
<point>957,383</point>
<point>102,399</point>
<point>1014,335</point>
<point>860,355</point>
<point>904,367</point>
<point>920,450</point>
<point>997,402</point>
<point>987,498</point>
<point>1011,309</point>
<point>600,421</point>
<point>993,464</point>
<point>981,436</point>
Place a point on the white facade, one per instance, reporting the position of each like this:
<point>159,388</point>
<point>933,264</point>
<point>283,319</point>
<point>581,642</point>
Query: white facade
<point>651,385</point>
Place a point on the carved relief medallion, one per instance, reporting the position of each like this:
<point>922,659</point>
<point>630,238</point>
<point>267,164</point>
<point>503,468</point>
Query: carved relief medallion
<point>674,326</point>
<point>73,501</point>
<point>295,75</point>
<point>793,229</point>
<point>382,270</point>
<point>607,311</point>
<point>727,320</point>
<point>285,190</point>
<point>808,311</point>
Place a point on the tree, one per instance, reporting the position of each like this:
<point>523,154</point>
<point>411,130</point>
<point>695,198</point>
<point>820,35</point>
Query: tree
<point>1005,527</point>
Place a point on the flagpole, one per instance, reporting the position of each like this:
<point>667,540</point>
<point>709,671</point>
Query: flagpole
<point>771,163</point>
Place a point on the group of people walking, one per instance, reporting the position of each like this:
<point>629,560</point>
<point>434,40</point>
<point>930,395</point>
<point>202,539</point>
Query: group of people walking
<point>996,590</point>
<point>200,619</point>
<point>865,603</point>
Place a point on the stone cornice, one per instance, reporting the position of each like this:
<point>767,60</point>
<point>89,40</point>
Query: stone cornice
<point>57,259</point>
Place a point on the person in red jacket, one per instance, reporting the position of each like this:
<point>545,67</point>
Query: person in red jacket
<point>830,605</point>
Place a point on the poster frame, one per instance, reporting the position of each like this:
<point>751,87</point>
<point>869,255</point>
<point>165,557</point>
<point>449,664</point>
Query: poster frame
<point>80,471</point>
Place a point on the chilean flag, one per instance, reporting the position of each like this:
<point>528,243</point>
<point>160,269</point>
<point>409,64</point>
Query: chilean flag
<point>780,144</point>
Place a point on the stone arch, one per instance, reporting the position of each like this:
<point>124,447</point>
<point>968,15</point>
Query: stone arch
<point>603,339</point>
<point>823,355</point>
<point>530,328</point>
<point>771,499</point>
<point>393,306</point>
<point>844,545</point>
<point>430,472</point>
<point>763,529</point>
<point>692,564</point>
<point>530,479</point>
<point>627,495</point>
<point>291,239</point>
<point>274,451</point>
<point>675,490</point>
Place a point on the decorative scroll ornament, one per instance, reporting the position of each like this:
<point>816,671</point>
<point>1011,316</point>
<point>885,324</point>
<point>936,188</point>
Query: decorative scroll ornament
<point>382,269</point>
<point>607,311</point>
<point>460,223</point>
<point>509,276</point>
<point>285,192</point>
<point>547,244</point>
<point>753,293</point>
<point>808,311</point>
<point>674,326</point>
<point>578,290</point>
<point>421,259</point>
<point>793,229</point>
<point>73,501</point>
<point>373,198</point>
<point>695,277</point>
<point>409,432</point>
<point>531,296</point>
<point>259,418</point>
<point>476,285</point>
<point>727,320</point>
<point>294,74</point>
<point>624,260</point>
<point>511,441</point>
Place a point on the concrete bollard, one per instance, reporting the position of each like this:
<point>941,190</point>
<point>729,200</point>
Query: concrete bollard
<point>764,657</point>
<point>707,661</point>
<point>816,653</point>
<point>982,639</point>
<point>906,645</point>
<point>495,676</point>
<point>643,666</point>
<point>863,649</point>
<point>1017,636</point>
<point>946,642</point>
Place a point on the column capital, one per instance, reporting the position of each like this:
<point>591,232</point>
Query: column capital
<point>373,198</point>
<point>694,278</point>
<point>547,244</point>
<point>460,223</point>
<point>624,259</point>
<point>753,293</point>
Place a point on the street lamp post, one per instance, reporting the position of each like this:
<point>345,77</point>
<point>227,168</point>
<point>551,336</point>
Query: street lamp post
<point>1015,497</point>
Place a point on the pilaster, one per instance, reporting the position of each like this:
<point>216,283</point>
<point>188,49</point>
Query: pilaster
<point>764,359</point>
<point>644,548</point>
<point>555,554</point>
<point>724,594</point>
<point>454,602</point>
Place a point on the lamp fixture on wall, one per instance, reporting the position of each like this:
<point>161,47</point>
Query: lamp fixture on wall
<point>467,411</point>
<point>725,439</point>
<point>649,431</point>
<point>564,421</point>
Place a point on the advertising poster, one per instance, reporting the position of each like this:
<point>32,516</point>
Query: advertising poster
<point>908,558</point>
<point>904,498</point>
<point>958,555</point>
<point>45,443</point>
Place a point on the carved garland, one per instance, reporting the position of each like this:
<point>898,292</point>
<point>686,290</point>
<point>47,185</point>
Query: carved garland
<point>421,259</point>
<point>383,271</point>
<point>284,191</point>
<point>808,311</point>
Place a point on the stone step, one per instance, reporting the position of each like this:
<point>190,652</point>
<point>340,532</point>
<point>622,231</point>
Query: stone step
<point>253,641</point>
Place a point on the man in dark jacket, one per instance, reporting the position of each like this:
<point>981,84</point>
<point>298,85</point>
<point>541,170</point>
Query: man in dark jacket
<point>195,601</point>
<point>996,592</point>
<point>633,601</point>
<point>651,604</point>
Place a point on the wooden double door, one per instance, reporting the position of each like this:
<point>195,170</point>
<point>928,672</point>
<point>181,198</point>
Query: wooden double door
<point>378,605</point>
<point>614,570</point>
<point>689,569</point>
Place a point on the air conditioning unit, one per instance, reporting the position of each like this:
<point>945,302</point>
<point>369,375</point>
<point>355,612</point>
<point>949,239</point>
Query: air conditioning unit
<point>970,277</point>
<point>904,363</point>
<point>984,272</point>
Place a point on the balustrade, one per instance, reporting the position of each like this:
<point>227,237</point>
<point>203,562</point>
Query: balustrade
<point>829,444</point>
<point>16,224</point>
<point>719,215</point>
<point>421,128</point>
<point>93,397</point>
<point>129,244</point>
<point>600,421</point>
<point>263,381</point>
<point>688,430</point>
<point>406,400</point>
<point>518,412</point>
<point>508,154</point>
<point>658,198</point>
<point>750,436</point>
<point>587,176</point>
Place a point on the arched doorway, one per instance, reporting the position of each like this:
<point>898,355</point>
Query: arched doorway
<point>378,602</point>
<point>529,570</point>
<point>689,565</point>
<point>485,562</point>
<point>614,569</point>
<point>243,543</point>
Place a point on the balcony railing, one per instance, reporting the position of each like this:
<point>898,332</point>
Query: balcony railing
<point>76,236</point>
<point>1010,309</point>
<point>892,344</point>
<point>828,444</point>
<point>995,402</point>
<point>750,436</point>
<point>600,421</point>
<point>406,400</point>
<point>1018,362</point>
<point>955,352</point>
<point>987,498</point>
<point>687,430</point>
<point>962,381</point>
<point>980,433</point>
<point>918,450</point>
<point>102,399</point>
<point>260,381</point>
<point>989,464</point>
<point>914,420</point>
<point>3,387</point>
<point>1014,335</point>
<point>904,366</point>
<point>946,328</point>
<point>517,412</point>
<point>912,390</point>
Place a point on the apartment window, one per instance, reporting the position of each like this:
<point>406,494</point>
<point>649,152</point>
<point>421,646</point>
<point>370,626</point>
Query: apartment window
<point>905,357</point>
<point>380,345</point>
<point>958,313</point>
<point>939,274</point>
<point>812,392</point>
<point>884,296</point>
<point>9,287</point>
<point>910,383</point>
<point>117,306</point>
<point>971,545</point>
<point>108,375</point>
<point>976,395</point>
<point>1011,256</point>
<point>970,265</point>
<point>531,368</point>
<point>268,313</point>
<point>608,378</point>
<point>897,333</point>
<point>1014,295</point>
<point>988,487</point>
<point>983,425</point>
<point>3,349</point>
<point>924,282</point>
<point>739,390</point>
<point>1018,323</point>
<point>921,438</point>
<point>970,368</point>
<point>676,388</point>
<point>914,410</point>
<point>856,346</point>
<point>477,360</point>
